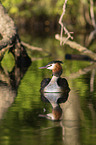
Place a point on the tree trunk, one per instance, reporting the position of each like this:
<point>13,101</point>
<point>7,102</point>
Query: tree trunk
<point>10,39</point>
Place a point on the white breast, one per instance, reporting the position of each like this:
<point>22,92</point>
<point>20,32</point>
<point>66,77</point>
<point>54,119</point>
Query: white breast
<point>53,86</point>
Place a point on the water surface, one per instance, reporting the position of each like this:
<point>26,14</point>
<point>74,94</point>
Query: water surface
<point>19,120</point>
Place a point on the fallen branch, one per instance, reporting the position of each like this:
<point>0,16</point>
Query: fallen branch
<point>78,47</point>
<point>31,47</point>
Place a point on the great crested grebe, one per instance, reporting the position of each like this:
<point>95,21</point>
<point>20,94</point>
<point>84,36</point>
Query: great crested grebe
<point>56,84</point>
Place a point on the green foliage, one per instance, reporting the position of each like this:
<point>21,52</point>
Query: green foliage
<point>12,6</point>
<point>48,9</point>
<point>29,7</point>
<point>8,61</point>
<point>38,7</point>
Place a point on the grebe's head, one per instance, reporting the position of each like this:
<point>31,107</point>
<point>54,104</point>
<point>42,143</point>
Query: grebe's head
<point>55,66</point>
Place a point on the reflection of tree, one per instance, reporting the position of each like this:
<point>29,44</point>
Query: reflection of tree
<point>10,41</point>
<point>9,83</point>
<point>71,119</point>
<point>91,102</point>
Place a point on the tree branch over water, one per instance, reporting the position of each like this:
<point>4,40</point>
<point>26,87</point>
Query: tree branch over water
<point>78,47</point>
<point>31,47</point>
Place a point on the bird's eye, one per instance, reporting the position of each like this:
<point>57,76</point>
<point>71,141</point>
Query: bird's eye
<point>49,65</point>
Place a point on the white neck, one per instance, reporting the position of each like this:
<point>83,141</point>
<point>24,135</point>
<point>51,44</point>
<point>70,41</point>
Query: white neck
<point>54,78</point>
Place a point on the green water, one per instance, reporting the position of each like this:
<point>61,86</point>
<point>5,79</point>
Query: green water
<point>20,122</point>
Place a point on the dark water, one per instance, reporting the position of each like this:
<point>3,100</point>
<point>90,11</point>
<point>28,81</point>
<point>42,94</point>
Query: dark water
<point>20,121</point>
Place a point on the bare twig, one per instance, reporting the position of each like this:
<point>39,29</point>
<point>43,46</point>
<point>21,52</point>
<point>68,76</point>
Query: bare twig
<point>90,37</point>
<point>93,23</point>
<point>63,27</point>
<point>92,14</point>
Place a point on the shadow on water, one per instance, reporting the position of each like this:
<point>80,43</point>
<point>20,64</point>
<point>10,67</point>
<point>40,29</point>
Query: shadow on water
<point>9,83</point>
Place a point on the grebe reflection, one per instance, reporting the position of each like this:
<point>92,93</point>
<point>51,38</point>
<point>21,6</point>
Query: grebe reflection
<point>54,99</point>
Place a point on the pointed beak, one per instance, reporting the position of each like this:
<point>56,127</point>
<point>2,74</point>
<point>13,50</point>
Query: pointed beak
<point>43,67</point>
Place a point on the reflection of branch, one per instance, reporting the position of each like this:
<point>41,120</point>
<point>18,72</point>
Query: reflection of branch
<point>44,129</point>
<point>78,47</point>
<point>63,130</point>
<point>92,80</point>
<point>63,27</point>
<point>82,71</point>
<point>93,113</point>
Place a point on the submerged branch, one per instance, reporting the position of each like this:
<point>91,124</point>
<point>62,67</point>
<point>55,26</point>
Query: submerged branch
<point>82,71</point>
<point>78,47</point>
